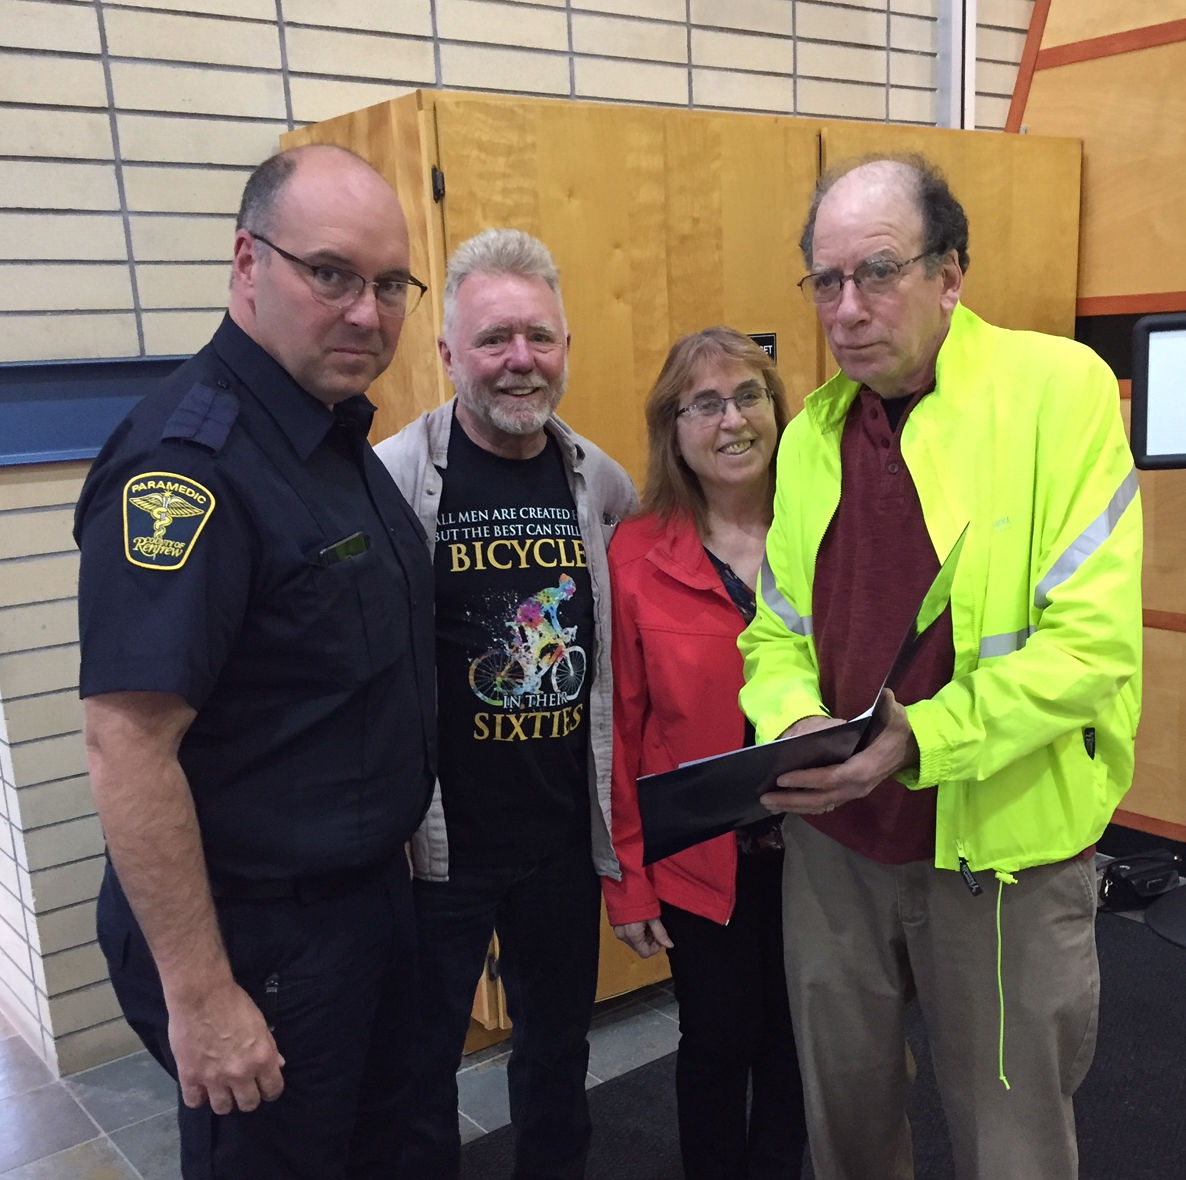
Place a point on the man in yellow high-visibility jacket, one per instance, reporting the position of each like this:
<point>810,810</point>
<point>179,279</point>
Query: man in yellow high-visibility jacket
<point>951,859</point>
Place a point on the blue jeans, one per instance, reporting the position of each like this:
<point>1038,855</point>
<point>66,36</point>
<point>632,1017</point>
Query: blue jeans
<point>547,915</point>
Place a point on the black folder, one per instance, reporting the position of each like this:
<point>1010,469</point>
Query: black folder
<point>699,800</point>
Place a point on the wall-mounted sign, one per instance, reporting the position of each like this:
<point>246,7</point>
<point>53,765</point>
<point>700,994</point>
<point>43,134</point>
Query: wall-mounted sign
<point>767,342</point>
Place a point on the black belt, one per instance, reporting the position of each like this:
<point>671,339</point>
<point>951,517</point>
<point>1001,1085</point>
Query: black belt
<point>300,889</point>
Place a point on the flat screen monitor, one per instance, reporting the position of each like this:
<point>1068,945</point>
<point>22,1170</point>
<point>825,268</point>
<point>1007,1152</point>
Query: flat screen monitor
<point>1159,391</point>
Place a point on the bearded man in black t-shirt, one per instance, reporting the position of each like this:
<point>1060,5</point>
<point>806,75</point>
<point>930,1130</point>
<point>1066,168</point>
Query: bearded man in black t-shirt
<point>518,511</point>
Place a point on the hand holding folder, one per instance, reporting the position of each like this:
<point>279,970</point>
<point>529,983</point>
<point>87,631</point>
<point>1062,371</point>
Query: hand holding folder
<point>706,798</point>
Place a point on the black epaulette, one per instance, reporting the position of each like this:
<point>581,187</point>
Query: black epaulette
<point>204,416</point>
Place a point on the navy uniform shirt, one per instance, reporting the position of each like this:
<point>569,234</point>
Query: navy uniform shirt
<point>243,548</point>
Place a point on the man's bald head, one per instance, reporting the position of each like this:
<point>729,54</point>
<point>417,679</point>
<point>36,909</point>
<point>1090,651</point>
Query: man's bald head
<point>944,223</point>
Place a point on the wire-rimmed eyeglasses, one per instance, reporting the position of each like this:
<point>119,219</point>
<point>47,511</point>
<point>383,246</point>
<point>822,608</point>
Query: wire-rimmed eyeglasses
<point>874,276</point>
<point>709,407</point>
<point>336,286</point>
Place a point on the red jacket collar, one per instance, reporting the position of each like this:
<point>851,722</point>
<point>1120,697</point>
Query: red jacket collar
<point>679,552</point>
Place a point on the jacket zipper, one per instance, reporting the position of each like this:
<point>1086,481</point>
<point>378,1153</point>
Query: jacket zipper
<point>974,887</point>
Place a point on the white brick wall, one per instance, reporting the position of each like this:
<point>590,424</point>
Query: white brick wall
<point>117,114</point>
<point>127,130</point>
<point>1000,39</point>
<point>52,979</point>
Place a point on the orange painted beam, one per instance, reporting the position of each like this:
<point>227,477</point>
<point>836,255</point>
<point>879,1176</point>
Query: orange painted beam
<point>1164,620</point>
<point>1114,43</point>
<point>1148,823</point>
<point>1157,301</point>
<point>1025,71</point>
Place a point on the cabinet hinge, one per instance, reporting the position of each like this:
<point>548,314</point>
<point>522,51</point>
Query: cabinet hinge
<point>438,185</point>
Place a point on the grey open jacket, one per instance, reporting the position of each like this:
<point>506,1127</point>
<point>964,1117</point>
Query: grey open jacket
<point>604,495</point>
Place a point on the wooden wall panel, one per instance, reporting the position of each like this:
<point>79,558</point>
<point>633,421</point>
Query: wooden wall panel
<point>1159,785</point>
<point>1131,233</point>
<point>1115,74</point>
<point>1022,200</point>
<point>1163,496</point>
<point>1157,801</point>
<point>1078,20</point>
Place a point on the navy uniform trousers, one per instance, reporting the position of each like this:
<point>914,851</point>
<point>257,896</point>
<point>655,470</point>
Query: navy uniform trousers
<point>342,972</point>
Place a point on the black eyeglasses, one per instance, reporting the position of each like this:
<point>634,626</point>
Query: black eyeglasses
<point>710,407</point>
<point>874,276</point>
<point>335,286</point>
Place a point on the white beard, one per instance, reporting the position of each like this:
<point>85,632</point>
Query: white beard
<point>506,414</point>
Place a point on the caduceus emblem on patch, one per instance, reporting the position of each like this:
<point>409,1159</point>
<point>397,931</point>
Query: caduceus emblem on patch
<point>164,514</point>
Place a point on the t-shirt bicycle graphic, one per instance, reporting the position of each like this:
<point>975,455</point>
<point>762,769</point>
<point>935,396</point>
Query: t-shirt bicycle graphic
<point>539,646</point>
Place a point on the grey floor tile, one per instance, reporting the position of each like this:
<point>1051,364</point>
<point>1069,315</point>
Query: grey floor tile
<point>482,1094</point>
<point>20,1068</point>
<point>490,1053</point>
<point>623,1040</point>
<point>152,1147</point>
<point>123,1092</point>
<point>41,1122</point>
<point>663,1002</point>
<point>99,1159</point>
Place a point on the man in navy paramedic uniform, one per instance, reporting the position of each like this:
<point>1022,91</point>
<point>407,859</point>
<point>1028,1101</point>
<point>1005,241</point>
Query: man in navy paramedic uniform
<point>256,621</point>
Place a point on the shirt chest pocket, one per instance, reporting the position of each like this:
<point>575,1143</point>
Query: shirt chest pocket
<point>330,617</point>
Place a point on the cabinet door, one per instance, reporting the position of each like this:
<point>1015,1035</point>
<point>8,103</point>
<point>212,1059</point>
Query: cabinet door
<point>620,970</point>
<point>395,138</point>
<point>490,1001</point>
<point>661,221</point>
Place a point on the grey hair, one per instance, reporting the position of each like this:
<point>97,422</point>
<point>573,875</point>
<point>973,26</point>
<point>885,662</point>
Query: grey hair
<point>498,252</point>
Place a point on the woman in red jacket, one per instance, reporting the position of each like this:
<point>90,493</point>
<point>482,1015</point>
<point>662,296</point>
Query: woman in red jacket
<point>683,576</point>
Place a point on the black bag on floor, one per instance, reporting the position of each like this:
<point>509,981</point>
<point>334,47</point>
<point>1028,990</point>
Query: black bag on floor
<point>1132,882</point>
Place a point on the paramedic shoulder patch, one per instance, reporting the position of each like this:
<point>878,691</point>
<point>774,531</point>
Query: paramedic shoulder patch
<point>164,514</point>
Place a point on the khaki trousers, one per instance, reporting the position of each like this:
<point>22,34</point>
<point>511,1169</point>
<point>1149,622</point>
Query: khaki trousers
<point>862,938</point>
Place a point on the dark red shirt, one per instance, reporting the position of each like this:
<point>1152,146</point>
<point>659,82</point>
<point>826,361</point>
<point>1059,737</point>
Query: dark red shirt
<point>875,564</point>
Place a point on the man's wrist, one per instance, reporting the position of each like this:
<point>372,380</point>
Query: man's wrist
<point>187,986</point>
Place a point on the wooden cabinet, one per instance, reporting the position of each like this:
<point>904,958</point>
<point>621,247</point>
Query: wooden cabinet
<point>664,221</point>
<point>661,221</point>
<point>619,970</point>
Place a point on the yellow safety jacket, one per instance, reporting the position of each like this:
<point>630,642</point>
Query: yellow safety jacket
<point>1030,745</point>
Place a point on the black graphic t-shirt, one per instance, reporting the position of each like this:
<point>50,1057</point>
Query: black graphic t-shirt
<point>514,624</point>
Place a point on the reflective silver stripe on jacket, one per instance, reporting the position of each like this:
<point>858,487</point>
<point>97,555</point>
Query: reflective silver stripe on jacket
<point>1079,550</point>
<point>1088,541</point>
<point>793,621</point>
<point>1002,645</point>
